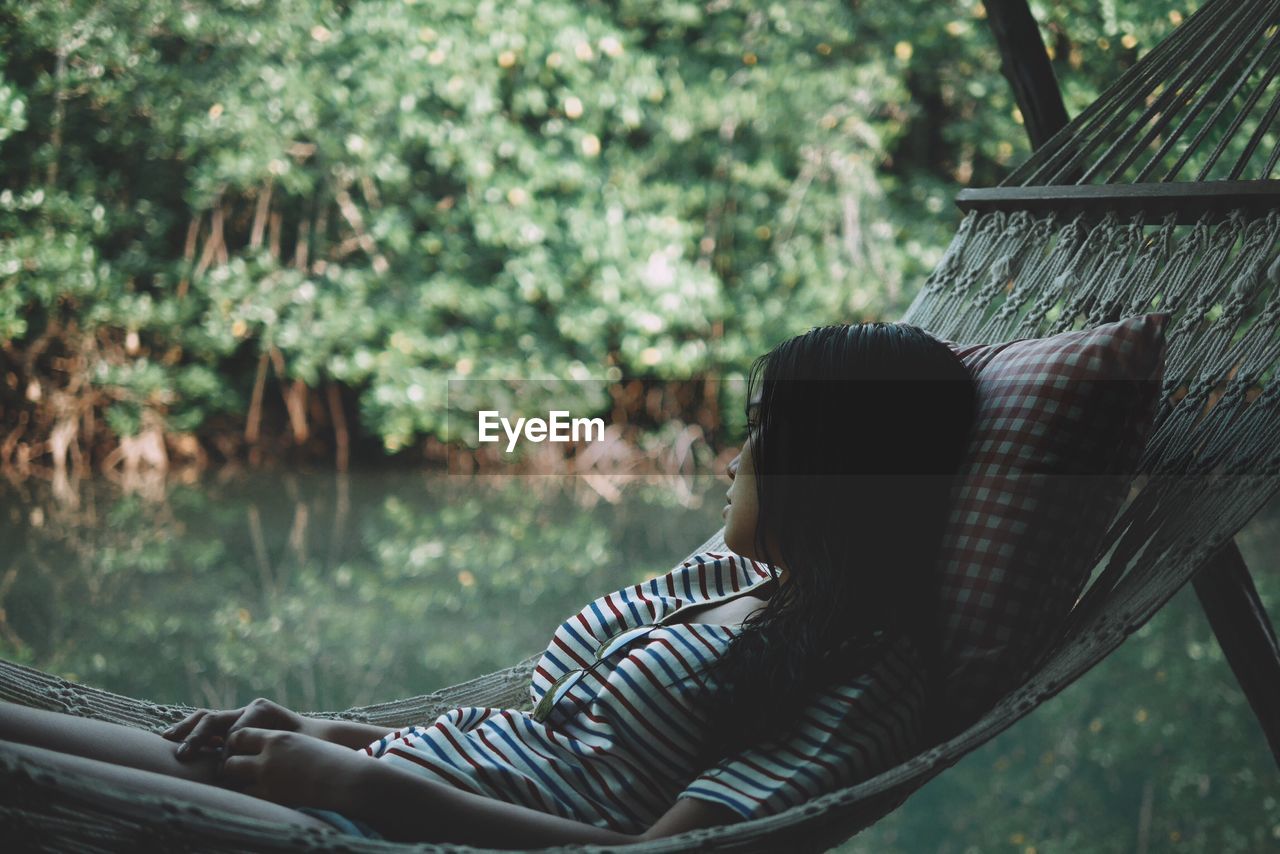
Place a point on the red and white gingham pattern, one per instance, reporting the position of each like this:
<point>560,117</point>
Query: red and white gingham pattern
<point>1060,426</point>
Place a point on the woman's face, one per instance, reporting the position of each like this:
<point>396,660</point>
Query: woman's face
<point>740,513</point>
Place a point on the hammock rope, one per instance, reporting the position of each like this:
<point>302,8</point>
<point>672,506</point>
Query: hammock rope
<point>1212,461</point>
<point>1176,82</point>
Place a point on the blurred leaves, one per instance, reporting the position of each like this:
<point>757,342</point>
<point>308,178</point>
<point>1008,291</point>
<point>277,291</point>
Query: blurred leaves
<point>385,194</point>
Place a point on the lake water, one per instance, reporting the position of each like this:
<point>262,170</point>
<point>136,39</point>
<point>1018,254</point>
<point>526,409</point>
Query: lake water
<point>325,591</point>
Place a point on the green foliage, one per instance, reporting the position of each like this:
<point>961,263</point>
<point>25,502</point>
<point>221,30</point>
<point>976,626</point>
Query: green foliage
<point>386,194</point>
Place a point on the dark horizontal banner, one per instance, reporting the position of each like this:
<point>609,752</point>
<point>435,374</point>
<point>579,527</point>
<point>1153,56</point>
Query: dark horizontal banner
<point>622,427</point>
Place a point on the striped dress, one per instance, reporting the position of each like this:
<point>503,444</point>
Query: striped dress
<point>618,745</point>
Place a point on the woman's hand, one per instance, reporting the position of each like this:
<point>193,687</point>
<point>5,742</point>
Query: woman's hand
<point>292,769</point>
<point>206,729</point>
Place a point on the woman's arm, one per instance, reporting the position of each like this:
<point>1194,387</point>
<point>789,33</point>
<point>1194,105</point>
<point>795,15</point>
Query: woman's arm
<point>406,807</point>
<point>204,728</point>
<point>347,733</point>
<point>296,770</point>
<point>690,814</point>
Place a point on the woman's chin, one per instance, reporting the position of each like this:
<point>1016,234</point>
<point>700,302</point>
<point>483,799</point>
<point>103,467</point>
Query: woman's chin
<point>740,543</point>
<point>737,544</point>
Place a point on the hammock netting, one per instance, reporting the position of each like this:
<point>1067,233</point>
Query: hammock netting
<point>1195,107</point>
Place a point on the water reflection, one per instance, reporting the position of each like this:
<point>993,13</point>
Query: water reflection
<point>321,591</point>
<point>326,592</point>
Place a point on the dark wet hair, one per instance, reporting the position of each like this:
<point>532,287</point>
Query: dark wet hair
<point>860,431</point>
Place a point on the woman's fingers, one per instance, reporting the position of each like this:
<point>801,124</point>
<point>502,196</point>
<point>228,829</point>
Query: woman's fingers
<point>206,729</point>
<point>239,770</point>
<point>246,740</point>
<point>211,726</point>
<point>179,731</point>
<point>259,713</point>
<point>278,765</point>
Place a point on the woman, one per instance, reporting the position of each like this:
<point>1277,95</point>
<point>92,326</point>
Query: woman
<point>807,665</point>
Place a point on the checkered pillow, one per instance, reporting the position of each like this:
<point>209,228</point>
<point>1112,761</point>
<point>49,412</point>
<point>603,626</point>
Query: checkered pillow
<point>1060,425</point>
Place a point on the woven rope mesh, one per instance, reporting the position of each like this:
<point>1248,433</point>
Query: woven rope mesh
<point>1200,107</point>
<point>1212,462</point>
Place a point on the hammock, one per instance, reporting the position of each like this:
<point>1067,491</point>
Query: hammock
<point>1078,236</point>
